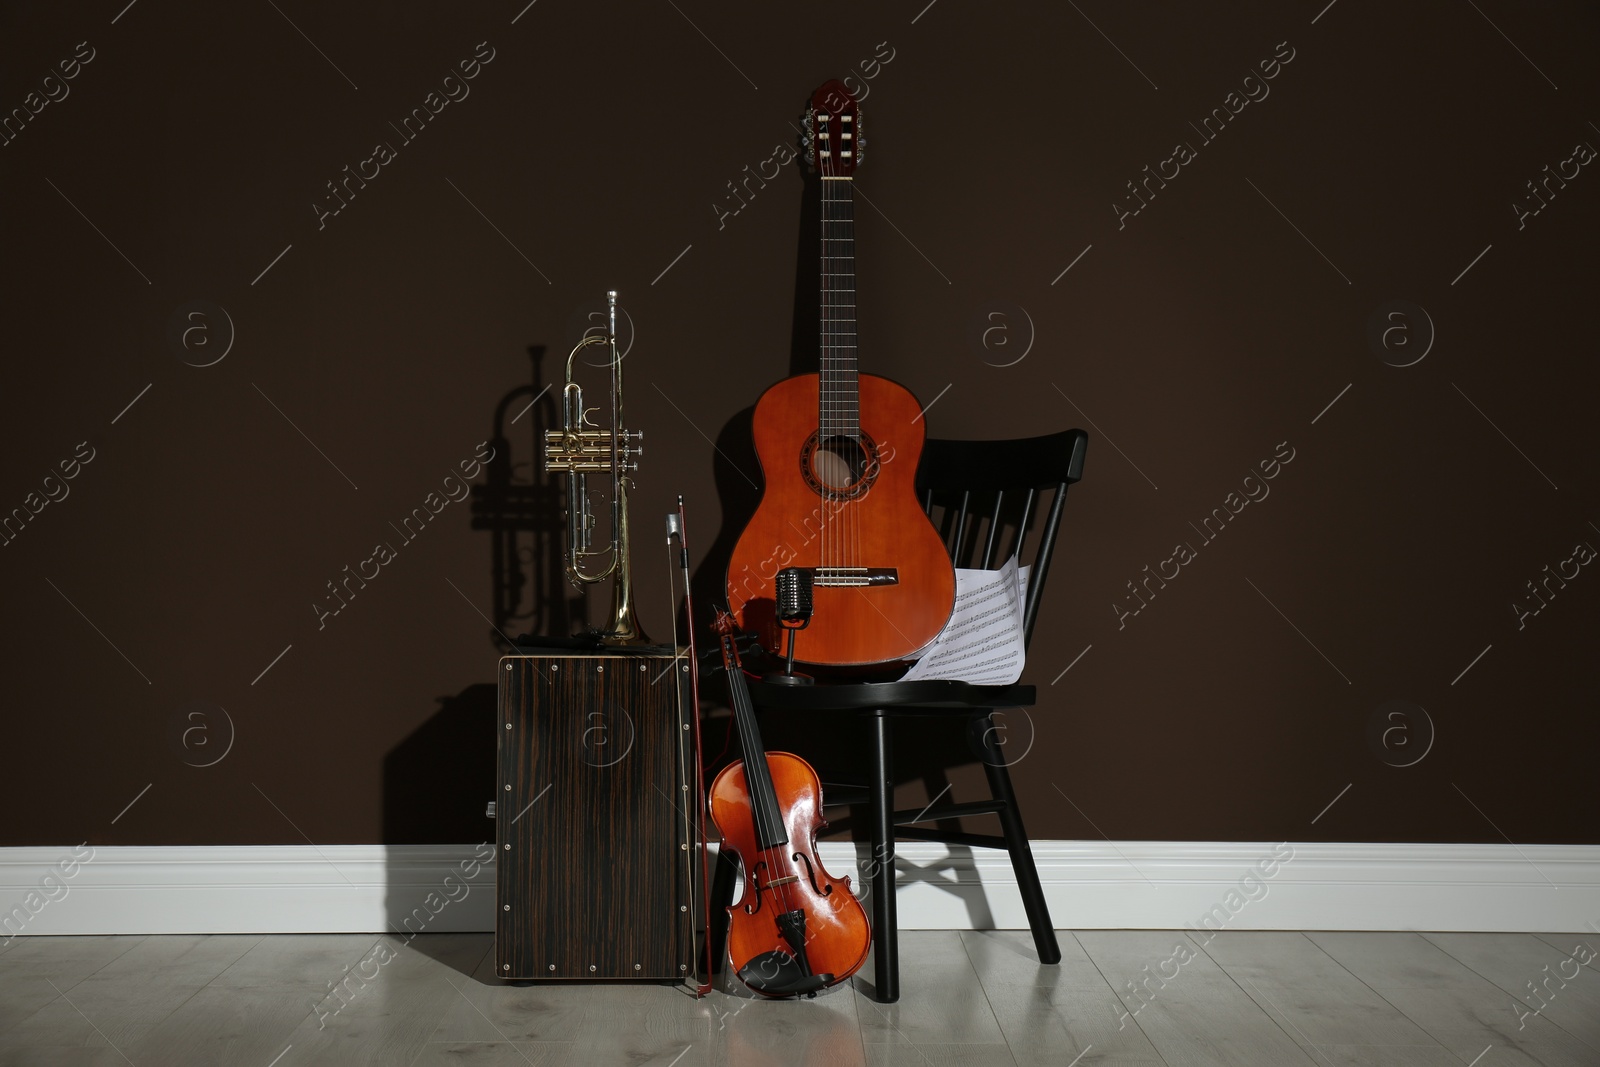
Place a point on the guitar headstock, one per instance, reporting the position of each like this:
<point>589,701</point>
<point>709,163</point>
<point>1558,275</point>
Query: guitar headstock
<point>833,139</point>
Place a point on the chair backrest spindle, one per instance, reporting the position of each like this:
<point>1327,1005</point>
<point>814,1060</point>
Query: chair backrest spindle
<point>1022,523</point>
<point>958,543</point>
<point>1041,564</point>
<point>995,526</point>
<point>959,478</point>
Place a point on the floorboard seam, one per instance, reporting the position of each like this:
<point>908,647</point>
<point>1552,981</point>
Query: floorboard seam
<point>1270,1017</point>
<point>1512,994</point>
<point>201,989</point>
<point>978,977</point>
<point>1117,997</point>
<point>1375,992</point>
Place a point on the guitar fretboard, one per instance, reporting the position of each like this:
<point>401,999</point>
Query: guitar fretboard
<point>840,400</point>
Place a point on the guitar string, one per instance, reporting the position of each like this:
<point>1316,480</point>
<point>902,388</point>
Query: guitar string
<point>841,379</point>
<point>822,383</point>
<point>842,546</point>
<point>848,469</point>
<point>841,374</point>
<point>829,359</point>
<point>854,395</point>
<point>827,330</point>
<point>839,429</point>
<point>835,501</point>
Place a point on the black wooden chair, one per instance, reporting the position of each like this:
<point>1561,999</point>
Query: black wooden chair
<point>983,496</point>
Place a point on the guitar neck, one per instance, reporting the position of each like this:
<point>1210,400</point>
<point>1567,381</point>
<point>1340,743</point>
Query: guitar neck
<point>839,403</point>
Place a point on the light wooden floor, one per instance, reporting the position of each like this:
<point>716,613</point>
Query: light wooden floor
<point>1243,999</point>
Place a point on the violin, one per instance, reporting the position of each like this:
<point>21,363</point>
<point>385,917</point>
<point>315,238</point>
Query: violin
<point>796,929</point>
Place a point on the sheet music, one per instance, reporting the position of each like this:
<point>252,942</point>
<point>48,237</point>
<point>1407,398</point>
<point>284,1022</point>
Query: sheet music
<point>982,642</point>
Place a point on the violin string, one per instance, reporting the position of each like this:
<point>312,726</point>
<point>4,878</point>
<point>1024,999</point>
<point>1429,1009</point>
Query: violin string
<point>759,784</point>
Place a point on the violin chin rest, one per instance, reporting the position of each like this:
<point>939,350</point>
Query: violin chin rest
<point>778,974</point>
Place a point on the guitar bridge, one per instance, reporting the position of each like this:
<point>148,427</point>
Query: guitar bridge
<point>855,576</point>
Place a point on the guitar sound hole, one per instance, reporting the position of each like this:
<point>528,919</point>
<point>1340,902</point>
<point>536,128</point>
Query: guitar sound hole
<point>839,462</point>
<point>839,467</point>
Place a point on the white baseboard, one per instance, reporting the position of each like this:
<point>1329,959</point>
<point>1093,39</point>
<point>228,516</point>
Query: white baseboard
<point>1089,885</point>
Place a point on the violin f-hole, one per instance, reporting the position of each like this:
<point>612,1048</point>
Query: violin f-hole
<point>755,888</point>
<point>811,873</point>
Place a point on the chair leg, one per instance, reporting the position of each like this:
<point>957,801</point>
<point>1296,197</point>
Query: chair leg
<point>885,921</point>
<point>1033,902</point>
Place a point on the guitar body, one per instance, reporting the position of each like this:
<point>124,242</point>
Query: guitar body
<point>836,502</point>
<point>837,932</point>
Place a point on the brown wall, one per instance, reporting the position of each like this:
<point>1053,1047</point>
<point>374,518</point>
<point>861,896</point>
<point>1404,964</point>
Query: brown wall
<point>1192,339</point>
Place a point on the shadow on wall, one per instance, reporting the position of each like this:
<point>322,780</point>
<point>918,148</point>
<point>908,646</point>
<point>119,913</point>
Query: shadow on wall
<point>521,507</point>
<point>438,782</point>
<point>736,473</point>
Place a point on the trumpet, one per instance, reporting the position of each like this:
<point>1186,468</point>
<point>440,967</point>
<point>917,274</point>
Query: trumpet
<point>581,448</point>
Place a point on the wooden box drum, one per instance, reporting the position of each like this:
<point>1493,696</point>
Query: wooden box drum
<point>598,873</point>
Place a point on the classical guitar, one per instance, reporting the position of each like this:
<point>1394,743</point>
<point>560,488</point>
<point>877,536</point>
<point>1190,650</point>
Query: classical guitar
<point>796,929</point>
<point>839,451</point>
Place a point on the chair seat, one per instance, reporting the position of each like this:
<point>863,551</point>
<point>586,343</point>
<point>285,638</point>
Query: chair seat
<point>935,695</point>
